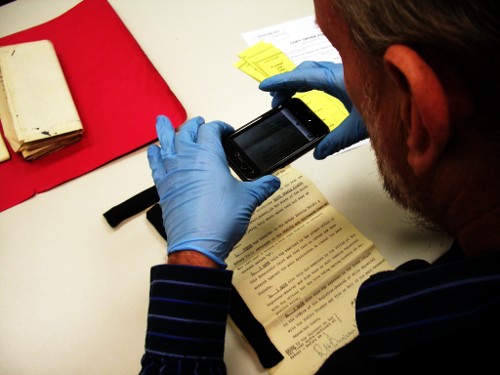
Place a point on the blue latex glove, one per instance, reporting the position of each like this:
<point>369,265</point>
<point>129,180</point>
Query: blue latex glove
<point>327,77</point>
<point>204,207</point>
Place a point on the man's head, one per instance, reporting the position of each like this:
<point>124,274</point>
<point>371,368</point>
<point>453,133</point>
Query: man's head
<point>425,77</point>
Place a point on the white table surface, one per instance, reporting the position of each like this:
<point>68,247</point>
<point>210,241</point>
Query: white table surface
<point>74,291</point>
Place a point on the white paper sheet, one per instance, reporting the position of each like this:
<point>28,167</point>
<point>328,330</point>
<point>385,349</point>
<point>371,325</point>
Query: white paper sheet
<point>299,39</point>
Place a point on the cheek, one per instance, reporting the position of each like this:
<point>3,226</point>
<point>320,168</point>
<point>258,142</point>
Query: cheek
<point>353,83</point>
<point>367,89</point>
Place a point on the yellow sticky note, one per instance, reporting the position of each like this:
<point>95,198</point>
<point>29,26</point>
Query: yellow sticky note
<point>250,70</point>
<point>264,60</point>
<point>250,57</point>
<point>326,107</point>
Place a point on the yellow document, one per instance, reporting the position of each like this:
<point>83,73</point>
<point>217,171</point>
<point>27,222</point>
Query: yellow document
<point>264,60</point>
<point>298,268</point>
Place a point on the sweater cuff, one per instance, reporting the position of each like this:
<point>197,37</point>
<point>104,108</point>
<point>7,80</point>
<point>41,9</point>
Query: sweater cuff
<point>187,314</point>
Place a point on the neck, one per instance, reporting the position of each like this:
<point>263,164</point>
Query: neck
<point>482,235</point>
<point>471,186</point>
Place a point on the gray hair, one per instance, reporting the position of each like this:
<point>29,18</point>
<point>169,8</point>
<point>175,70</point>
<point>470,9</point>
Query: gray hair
<point>457,37</point>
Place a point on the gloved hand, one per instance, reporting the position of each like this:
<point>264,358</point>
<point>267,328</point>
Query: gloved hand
<point>327,77</point>
<point>204,207</point>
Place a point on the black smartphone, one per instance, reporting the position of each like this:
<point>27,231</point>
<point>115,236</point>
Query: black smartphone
<point>273,140</point>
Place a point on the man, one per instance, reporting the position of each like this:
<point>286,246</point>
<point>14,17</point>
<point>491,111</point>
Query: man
<point>424,77</point>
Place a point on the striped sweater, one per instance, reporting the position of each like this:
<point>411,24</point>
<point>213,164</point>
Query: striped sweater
<point>419,317</point>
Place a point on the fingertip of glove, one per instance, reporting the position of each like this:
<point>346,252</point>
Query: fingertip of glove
<point>271,183</point>
<point>152,152</point>
<point>321,153</point>
<point>226,128</point>
<point>264,85</point>
<point>199,120</point>
<point>276,183</point>
<point>162,119</point>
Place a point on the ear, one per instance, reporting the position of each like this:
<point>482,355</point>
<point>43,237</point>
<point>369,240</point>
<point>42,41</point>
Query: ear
<point>424,107</point>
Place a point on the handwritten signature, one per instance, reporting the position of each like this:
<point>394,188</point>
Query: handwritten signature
<point>328,345</point>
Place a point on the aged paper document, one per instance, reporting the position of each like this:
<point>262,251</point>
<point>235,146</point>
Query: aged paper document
<point>36,107</point>
<point>4,152</point>
<point>298,269</point>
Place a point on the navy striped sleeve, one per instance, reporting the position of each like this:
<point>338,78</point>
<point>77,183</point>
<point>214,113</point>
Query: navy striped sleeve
<point>399,309</point>
<point>187,317</point>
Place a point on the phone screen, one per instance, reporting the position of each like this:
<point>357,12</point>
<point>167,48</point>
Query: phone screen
<point>268,144</point>
<point>274,139</point>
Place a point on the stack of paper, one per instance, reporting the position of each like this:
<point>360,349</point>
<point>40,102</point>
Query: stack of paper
<point>4,153</point>
<point>36,107</point>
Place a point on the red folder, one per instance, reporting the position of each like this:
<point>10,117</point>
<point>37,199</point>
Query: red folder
<point>115,87</point>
